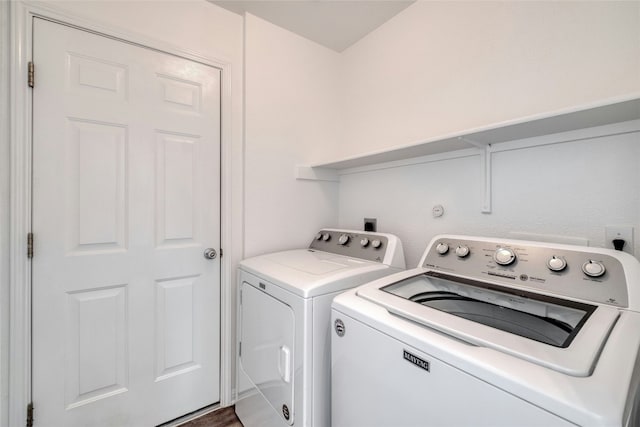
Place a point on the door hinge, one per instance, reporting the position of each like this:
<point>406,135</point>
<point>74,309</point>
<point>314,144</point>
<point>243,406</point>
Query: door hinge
<point>31,74</point>
<point>240,351</point>
<point>30,245</point>
<point>220,252</point>
<point>30,415</point>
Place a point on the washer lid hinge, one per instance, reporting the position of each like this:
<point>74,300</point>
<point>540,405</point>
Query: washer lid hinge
<point>31,74</point>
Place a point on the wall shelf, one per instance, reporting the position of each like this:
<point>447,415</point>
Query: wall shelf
<point>605,113</point>
<point>482,141</point>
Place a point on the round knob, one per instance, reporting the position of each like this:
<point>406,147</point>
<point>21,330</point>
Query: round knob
<point>210,253</point>
<point>364,242</point>
<point>504,256</point>
<point>462,251</point>
<point>376,243</point>
<point>318,236</point>
<point>593,268</point>
<point>442,248</point>
<point>556,263</point>
<point>343,239</point>
<point>326,237</point>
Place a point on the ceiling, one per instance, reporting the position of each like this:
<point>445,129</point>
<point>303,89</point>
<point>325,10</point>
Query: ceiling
<point>336,24</point>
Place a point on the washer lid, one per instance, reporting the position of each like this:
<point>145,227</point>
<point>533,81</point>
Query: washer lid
<point>307,272</point>
<point>561,334</point>
<point>314,262</point>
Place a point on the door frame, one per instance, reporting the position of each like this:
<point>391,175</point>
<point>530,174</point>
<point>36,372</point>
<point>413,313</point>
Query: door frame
<point>21,16</point>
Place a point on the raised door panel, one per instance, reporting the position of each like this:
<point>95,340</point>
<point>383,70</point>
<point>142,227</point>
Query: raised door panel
<point>177,348</point>
<point>96,186</point>
<point>96,77</point>
<point>179,94</point>
<point>177,200</point>
<point>97,363</point>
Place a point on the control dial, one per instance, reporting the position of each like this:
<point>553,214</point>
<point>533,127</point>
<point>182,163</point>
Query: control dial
<point>442,248</point>
<point>593,268</point>
<point>462,251</point>
<point>326,237</point>
<point>556,263</point>
<point>318,236</point>
<point>364,242</point>
<point>504,256</point>
<point>343,239</point>
<point>376,244</point>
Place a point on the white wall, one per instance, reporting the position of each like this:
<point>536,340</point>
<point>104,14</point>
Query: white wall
<point>571,189</point>
<point>291,118</point>
<point>441,67</point>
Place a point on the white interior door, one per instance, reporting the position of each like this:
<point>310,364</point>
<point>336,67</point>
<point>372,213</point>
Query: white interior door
<point>126,182</point>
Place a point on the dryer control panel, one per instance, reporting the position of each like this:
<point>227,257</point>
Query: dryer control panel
<point>355,244</point>
<point>582,273</point>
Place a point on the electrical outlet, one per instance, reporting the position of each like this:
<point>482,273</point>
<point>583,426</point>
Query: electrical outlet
<point>624,232</point>
<point>370,224</point>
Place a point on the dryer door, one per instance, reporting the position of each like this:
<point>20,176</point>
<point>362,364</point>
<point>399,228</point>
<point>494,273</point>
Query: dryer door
<point>268,329</point>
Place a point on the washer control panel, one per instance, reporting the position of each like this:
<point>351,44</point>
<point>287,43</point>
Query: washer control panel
<point>363,245</point>
<point>560,270</point>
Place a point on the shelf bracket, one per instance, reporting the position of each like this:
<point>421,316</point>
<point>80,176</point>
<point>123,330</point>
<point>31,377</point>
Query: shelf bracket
<point>316,174</point>
<point>470,141</point>
<point>485,167</point>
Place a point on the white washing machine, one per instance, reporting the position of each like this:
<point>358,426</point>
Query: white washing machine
<point>284,323</point>
<point>491,332</point>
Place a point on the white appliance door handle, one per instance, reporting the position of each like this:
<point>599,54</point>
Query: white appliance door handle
<point>284,363</point>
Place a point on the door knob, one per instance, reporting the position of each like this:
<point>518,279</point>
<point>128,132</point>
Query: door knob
<point>210,253</point>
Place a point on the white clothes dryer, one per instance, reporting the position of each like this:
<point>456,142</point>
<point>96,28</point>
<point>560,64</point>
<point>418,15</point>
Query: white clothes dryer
<point>491,332</point>
<point>284,323</point>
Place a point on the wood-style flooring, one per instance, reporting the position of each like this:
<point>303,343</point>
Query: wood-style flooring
<point>225,417</point>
